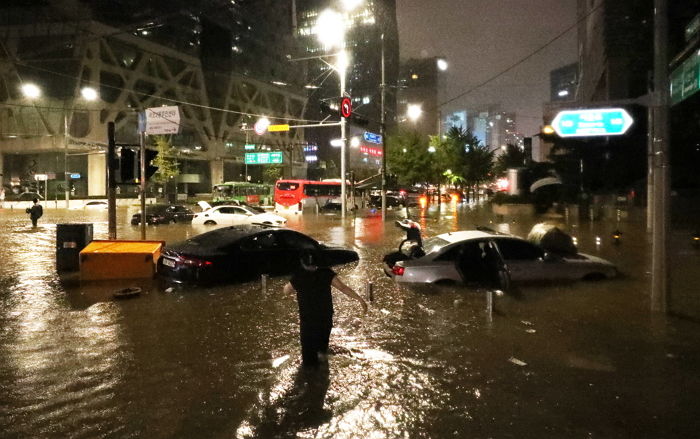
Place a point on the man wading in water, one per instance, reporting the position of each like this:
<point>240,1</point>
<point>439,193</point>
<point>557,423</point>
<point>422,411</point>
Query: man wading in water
<point>312,283</point>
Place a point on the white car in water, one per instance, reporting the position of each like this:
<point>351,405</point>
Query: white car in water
<point>474,255</point>
<point>235,216</point>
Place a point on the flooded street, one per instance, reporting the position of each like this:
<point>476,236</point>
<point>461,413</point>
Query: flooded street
<point>583,359</point>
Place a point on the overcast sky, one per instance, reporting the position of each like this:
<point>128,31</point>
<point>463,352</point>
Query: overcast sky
<point>481,38</point>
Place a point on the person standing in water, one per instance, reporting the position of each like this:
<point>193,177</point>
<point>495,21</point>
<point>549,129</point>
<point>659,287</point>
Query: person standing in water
<point>312,283</point>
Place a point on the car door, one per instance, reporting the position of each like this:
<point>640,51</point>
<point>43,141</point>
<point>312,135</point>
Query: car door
<point>241,216</point>
<point>525,260</point>
<point>225,215</point>
<point>263,253</point>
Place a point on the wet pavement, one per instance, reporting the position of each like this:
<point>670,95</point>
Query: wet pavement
<point>582,359</point>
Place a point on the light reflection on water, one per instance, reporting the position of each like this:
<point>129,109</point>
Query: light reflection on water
<point>223,361</point>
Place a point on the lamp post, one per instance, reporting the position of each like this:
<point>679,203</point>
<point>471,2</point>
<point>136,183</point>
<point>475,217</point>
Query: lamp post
<point>330,30</point>
<point>32,91</point>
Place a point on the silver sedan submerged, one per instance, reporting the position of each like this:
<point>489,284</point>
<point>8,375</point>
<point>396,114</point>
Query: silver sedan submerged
<point>477,256</point>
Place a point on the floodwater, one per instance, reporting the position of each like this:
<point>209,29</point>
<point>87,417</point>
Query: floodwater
<point>573,360</point>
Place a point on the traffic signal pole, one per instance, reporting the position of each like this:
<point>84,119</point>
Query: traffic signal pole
<point>661,189</point>
<point>382,132</point>
<point>111,182</point>
<point>142,183</point>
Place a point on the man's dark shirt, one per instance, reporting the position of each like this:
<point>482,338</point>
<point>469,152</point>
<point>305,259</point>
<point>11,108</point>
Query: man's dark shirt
<point>314,294</point>
<point>36,211</point>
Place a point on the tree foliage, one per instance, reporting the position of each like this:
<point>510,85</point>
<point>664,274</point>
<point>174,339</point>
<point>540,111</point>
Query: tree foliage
<point>513,157</point>
<point>272,173</point>
<point>460,152</point>
<point>409,159</point>
<point>166,161</point>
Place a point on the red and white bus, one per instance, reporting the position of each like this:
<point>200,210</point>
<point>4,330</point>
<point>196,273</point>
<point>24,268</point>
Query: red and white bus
<point>297,195</point>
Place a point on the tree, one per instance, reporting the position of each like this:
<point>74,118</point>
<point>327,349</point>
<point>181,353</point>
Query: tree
<point>272,173</point>
<point>409,158</point>
<point>513,157</point>
<point>166,161</point>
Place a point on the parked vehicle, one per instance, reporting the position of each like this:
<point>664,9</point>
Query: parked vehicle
<point>92,205</point>
<point>473,255</point>
<point>235,215</point>
<point>248,193</point>
<point>164,214</point>
<point>241,253</point>
<point>296,195</point>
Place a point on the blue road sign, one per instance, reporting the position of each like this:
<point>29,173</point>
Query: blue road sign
<point>373,138</point>
<point>75,176</point>
<point>593,122</point>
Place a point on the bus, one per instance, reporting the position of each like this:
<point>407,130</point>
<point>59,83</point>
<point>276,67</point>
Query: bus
<point>297,195</point>
<point>254,194</point>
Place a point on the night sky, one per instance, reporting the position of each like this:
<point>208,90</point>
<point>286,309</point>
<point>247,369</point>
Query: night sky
<point>481,38</point>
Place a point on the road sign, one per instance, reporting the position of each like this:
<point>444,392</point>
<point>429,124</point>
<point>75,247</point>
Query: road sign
<point>685,79</point>
<point>263,158</point>
<point>249,146</point>
<point>75,176</point>
<point>162,120</point>
<point>278,128</point>
<point>345,107</point>
<point>373,138</point>
<point>593,122</point>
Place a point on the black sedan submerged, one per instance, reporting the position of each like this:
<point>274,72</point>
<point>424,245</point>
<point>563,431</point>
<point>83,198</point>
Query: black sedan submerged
<point>241,253</point>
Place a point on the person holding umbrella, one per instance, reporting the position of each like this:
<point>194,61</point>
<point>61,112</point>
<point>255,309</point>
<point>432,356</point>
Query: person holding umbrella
<point>312,284</point>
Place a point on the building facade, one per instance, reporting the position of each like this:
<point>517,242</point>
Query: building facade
<point>372,36</point>
<point>138,65</point>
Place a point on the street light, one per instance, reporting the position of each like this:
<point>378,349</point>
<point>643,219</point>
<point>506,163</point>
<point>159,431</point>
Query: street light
<point>32,91</point>
<point>413,112</point>
<point>330,29</point>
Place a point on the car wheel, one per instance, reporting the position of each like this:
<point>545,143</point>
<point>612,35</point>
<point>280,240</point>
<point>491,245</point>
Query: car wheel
<point>209,223</point>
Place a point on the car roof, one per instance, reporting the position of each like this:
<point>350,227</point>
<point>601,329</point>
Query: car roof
<point>227,235</point>
<point>464,235</point>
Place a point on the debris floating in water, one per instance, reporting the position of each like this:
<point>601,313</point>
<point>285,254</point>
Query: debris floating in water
<point>127,293</point>
<point>426,309</point>
<point>517,362</point>
<point>530,331</point>
<point>169,290</point>
<point>277,362</point>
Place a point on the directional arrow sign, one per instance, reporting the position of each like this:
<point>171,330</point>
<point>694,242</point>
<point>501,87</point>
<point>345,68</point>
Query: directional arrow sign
<point>595,122</point>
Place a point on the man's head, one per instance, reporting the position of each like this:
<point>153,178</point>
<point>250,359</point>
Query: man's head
<point>35,200</point>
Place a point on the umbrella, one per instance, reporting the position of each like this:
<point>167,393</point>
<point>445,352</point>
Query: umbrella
<point>547,181</point>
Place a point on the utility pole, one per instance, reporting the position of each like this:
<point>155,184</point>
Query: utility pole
<point>65,157</point>
<point>382,132</point>
<point>343,150</point>
<point>659,265</point>
<point>111,182</point>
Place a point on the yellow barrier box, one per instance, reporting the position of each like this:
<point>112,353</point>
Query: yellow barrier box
<point>119,259</point>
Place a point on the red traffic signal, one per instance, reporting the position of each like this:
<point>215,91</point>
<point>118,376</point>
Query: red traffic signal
<point>345,107</point>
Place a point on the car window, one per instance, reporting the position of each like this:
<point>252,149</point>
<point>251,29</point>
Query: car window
<point>227,210</point>
<point>434,244</point>
<point>262,241</point>
<point>240,211</point>
<point>298,241</point>
<point>515,249</point>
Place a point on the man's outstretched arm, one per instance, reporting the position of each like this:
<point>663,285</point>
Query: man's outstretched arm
<point>340,286</point>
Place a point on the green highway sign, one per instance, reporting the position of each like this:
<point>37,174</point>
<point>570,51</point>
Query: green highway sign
<point>263,158</point>
<point>685,79</point>
<point>592,122</point>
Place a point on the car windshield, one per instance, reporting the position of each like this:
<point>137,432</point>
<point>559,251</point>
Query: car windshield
<point>434,244</point>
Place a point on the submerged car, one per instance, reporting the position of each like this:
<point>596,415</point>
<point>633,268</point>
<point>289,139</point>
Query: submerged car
<point>92,205</point>
<point>164,214</point>
<point>236,215</point>
<point>241,253</point>
<point>471,256</point>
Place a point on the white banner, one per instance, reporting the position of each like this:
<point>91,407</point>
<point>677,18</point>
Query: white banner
<point>163,120</point>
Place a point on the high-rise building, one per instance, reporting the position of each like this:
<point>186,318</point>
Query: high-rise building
<point>419,87</point>
<point>366,25</point>
<point>563,82</point>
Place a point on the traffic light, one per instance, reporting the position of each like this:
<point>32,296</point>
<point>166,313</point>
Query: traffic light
<point>128,166</point>
<point>150,169</point>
